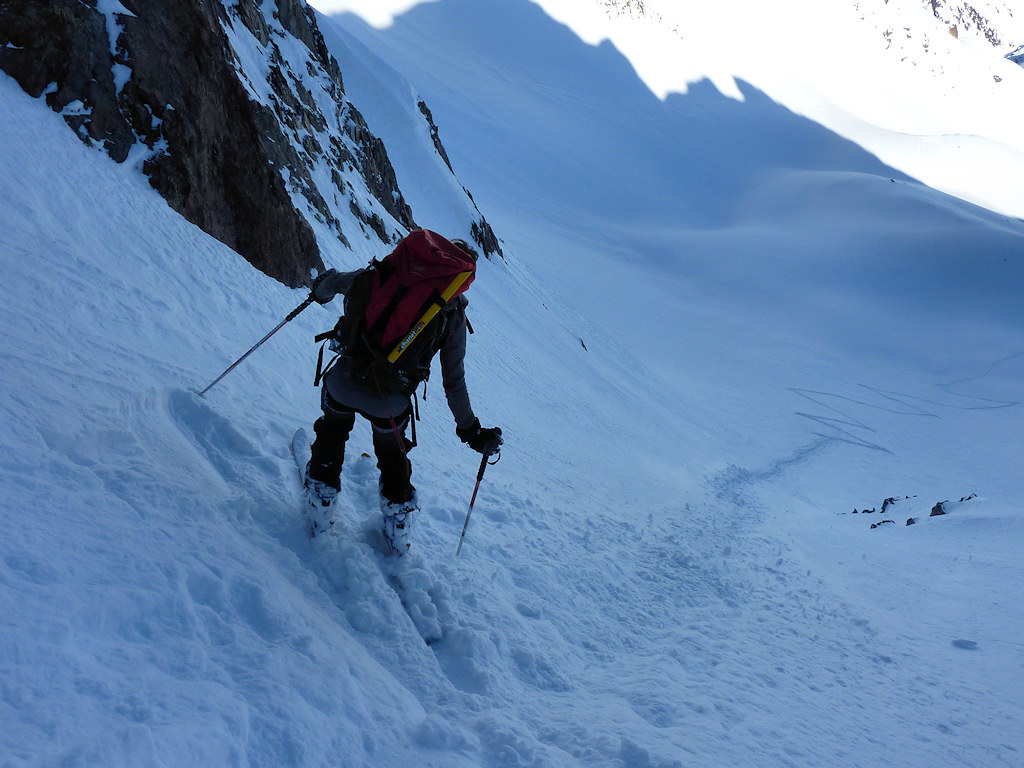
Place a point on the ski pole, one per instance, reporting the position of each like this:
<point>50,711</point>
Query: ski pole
<point>472,501</point>
<point>291,316</point>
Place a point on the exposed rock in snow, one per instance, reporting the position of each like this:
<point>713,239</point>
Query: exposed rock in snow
<point>966,16</point>
<point>235,110</point>
<point>910,28</point>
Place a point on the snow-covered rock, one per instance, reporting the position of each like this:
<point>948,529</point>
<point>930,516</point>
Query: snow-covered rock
<point>236,112</point>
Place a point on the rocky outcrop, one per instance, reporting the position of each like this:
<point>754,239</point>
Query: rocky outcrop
<point>61,50</point>
<point>244,133</point>
<point>434,133</point>
<point>480,230</point>
<point>222,154</point>
<point>484,236</point>
<point>963,16</point>
<point>638,9</point>
<point>938,509</point>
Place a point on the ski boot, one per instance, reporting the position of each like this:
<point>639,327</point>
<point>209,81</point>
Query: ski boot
<point>397,523</point>
<point>320,498</point>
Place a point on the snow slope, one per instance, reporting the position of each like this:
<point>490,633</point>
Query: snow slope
<point>888,76</point>
<point>719,328</point>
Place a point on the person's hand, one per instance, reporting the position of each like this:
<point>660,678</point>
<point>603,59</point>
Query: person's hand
<point>481,440</point>
<point>323,291</point>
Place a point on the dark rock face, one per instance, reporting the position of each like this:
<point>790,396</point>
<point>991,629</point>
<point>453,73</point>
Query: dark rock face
<point>485,237</point>
<point>61,48</point>
<point>232,149</point>
<point>221,169</point>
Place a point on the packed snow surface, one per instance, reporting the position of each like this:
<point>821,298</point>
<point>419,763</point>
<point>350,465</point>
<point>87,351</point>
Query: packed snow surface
<point>720,328</point>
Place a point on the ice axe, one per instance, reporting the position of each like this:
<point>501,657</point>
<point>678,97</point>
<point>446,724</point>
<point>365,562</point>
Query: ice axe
<point>291,316</point>
<point>472,501</point>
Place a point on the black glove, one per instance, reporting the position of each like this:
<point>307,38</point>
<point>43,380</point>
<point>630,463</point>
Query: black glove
<point>485,441</point>
<point>323,290</point>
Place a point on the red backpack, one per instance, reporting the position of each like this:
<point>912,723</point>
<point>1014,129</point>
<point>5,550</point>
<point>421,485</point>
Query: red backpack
<point>395,311</point>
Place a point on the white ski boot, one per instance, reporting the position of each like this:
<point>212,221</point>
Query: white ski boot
<point>319,503</point>
<point>397,523</point>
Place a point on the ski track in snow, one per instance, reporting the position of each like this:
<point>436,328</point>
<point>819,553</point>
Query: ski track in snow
<point>755,626</point>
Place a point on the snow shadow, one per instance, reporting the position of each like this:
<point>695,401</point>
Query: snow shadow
<point>691,157</point>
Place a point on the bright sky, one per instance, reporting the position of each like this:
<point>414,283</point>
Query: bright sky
<point>379,13</point>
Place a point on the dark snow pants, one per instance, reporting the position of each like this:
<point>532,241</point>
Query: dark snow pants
<point>332,431</point>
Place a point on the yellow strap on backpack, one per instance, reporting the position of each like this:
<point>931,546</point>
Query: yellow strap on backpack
<point>432,310</point>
